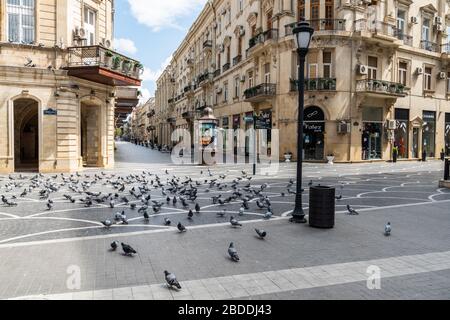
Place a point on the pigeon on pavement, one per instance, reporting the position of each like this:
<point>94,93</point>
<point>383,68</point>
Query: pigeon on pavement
<point>181,228</point>
<point>233,253</point>
<point>387,229</point>
<point>171,280</point>
<point>234,222</point>
<point>128,250</point>
<point>261,233</point>
<point>115,245</point>
<point>352,211</point>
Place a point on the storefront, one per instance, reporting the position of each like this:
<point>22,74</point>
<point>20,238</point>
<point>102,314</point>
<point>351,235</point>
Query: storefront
<point>314,130</point>
<point>447,134</point>
<point>236,126</point>
<point>372,133</point>
<point>248,125</point>
<point>402,132</point>
<point>225,126</point>
<point>429,133</point>
<point>264,122</point>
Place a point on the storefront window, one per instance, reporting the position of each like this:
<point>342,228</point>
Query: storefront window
<point>402,132</point>
<point>447,134</point>
<point>264,122</point>
<point>236,125</point>
<point>429,133</point>
<point>314,129</point>
<point>372,133</point>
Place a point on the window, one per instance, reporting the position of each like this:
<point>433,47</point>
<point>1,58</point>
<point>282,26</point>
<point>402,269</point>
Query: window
<point>426,29</point>
<point>327,65</point>
<point>402,132</point>
<point>240,5</point>
<point>448,82</point>
<point>250,79</point>
<point>267,73</point>
<point>402,72</point>
<point>427,78</point>
<point>225,91</point>
<point>401,17</point>
<point>89,25</point>
<point>21,21</point>
<point>372,67</point>
<point>236,87</point>
<point>329,14</point>
<point>301,10</point>
<point>429,133</point>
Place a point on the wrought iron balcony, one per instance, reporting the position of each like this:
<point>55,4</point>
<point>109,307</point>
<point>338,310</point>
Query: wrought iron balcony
<point>407,40</point>
<point>445,48</point>
<point>237,60</point>
<point>381,87</point>
<point>226,67</point>
<point>271,34</point>
<point>101,65</point>
<point>204,77</point>
<point>207,44</point>
<point>187,88</point>
<point>188,115</point>
<point>316,84</point>
<point>216,73</point>
<point>319,25</point>
<point>171,120</point>
<point>170,101</point>
<point>260,92</point>
<point>429,46</point>
<point>151,114</point>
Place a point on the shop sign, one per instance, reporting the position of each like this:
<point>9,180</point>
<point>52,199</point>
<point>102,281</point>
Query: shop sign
<point>264,121</point>
<point>314,127</point>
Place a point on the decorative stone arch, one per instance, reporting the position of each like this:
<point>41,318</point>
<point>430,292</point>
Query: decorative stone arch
<point>24,95</point>
<point>252,19</point>
<point>267,5</point>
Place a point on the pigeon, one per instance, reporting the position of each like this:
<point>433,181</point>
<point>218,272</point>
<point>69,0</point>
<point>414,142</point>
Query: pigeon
<point>107,223</point>
<point>268,215</point>
<point>181,228</point>
<point>222,214</point>
<point>167,222</point>
<point>112,204</point>
<point>339,197</point>
<point>190,215</point>
<point>146,216</point>
<point>241,211</point>
<point>128,250</point>
<point>261,233</point>
<point>197,208</point>
<point>49,205</point>
<point>388,229</point>
<point>310,184</point>
<point>352,211</point>
<point>234,222</point>
<point>233,253</point>
<point>115,245</point>
<point>171,280</point>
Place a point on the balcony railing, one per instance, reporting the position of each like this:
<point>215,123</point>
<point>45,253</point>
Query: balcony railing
<point>203,77</point>
<point>187,88</point>
<point>429,46</point>
<point>207,44</point>
<point>237,60</point>
<point>216,73</point>
<point>375,26</point>
<point>85,62</point>
<point>170,101</point>
<point>445,48</point>
<point>407,40</point>
<point>261,91</point>
<point>188,115</point>
<point>271,34</point>
<point>317,84</point>
<point>380,86</point>
<point>226,66</point>
<point>319,25</point>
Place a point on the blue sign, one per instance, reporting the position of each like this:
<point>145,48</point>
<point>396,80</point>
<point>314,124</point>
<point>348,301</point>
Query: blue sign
<point>50,112</point>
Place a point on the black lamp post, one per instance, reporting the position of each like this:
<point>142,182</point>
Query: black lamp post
<point>302,34</point>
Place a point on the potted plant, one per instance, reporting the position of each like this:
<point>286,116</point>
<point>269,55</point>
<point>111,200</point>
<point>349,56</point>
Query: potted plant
<point>394,154</point>
<point>116,60</point>
<point>108,58</point>
<point>442,155</point>
<point>126,66</point>
<point>330,158</point>
<point>138,68</point>
<point>288,157</point>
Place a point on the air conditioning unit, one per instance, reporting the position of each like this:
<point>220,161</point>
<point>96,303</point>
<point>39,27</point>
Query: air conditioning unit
<point>344,128</point>
<point>241,31</point>
<point>438,20</point>
<point>414,20</point>
<point>419,71</point>
<point>79,33</point>
<point>439,28</point>
<point>362,69</point>
<point>442,75</point>
<point>242,78</point>
<point>392,124</point>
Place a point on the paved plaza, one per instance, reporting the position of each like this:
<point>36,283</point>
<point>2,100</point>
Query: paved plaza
<point>40,247</point>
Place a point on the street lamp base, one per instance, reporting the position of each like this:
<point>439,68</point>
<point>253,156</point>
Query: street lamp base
<point>298,220</point>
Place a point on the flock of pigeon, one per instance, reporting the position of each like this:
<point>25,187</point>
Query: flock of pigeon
<point>175,190</point>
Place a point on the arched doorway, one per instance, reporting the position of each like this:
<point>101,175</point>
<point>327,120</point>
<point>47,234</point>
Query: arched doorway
<point>26,135</point>
<point>90,134</point>
<point>314,134</point>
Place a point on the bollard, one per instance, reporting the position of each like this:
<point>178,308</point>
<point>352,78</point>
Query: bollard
<point>424,156</point>
<point>447,170</point>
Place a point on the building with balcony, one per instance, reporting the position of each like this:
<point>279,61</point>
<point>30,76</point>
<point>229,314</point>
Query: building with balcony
<point>142,122</point>
<point>377,74</point>
<point>59,80</point>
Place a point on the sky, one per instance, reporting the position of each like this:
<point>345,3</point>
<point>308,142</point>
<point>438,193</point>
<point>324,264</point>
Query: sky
<point>150,31</point>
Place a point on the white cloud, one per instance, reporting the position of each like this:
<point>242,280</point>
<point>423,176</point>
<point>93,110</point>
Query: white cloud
<point>145,95</point>
<point>158,14</point>
<point>125,46</point>
<point>153,75</point>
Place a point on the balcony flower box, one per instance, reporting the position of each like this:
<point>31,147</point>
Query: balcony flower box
<point>116,61</point>
<point>126,66</point>
<point>108,59</point>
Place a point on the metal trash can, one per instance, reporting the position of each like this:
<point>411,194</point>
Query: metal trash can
<point>322,207</point>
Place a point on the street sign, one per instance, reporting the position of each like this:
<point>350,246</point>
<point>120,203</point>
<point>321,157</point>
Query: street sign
<point>50,112</point>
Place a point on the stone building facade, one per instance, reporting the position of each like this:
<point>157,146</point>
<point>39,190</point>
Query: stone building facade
<point>377,75</point>
<point>143,128</point>
<point>58,80</point>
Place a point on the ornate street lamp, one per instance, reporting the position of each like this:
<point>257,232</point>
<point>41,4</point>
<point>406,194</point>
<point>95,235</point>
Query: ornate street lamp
<point>302,34</point>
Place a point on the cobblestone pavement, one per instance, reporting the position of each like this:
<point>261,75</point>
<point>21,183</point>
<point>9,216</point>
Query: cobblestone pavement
<point>38,246</point>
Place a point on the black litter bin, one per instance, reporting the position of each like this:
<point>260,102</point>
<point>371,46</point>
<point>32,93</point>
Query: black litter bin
<point>447,170</point>
<point>322,207</point>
